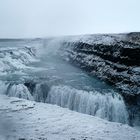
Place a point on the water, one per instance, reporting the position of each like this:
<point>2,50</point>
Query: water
<point>65,85</point>
<point>93,103</point>
<point>55,67</point>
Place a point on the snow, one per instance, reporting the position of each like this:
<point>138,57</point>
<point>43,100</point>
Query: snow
<point>136,70</point>
<point>12,59</point>
<point>106,39</point>
<point>22,119</point>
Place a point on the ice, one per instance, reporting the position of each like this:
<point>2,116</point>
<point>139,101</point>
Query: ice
<point>12,59</point>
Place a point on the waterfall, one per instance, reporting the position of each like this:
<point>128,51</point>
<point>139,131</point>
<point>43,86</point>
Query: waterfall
<point>109,106</point>
<point>19,90</point>
<point>40,92</point>
<point>3,87</point>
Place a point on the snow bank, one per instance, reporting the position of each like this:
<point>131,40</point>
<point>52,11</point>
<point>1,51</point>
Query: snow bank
<point>22,119</point>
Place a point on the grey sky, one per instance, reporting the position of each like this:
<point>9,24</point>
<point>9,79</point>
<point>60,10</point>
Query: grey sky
<point>40,18</point>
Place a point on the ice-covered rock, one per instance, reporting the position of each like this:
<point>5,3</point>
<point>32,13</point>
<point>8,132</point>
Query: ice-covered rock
<point>12,59</point>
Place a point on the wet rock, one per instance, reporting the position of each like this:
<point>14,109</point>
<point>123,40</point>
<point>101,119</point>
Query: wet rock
<point>30,85</point>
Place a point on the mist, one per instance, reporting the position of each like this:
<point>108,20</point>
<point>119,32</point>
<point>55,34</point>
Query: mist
<point>42,18</point>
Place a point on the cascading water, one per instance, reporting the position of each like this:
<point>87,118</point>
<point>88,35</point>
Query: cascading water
<point>19,91</point>
<point>110,106</point>
<point>67,86</point>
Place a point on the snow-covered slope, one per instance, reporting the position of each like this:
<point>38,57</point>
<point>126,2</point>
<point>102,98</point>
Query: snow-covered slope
<point>22,119</point>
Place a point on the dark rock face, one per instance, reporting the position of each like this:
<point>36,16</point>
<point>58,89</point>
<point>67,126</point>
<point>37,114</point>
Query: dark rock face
<point>30,85</point>
<point>117,63</point>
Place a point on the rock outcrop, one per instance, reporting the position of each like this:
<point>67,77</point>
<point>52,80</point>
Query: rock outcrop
<point>116,61</point>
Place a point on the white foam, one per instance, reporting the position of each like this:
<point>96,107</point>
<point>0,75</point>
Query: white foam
<point>19,91</point>
<point>109,106</point>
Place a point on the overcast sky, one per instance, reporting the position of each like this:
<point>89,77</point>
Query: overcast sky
<point>41,18</point>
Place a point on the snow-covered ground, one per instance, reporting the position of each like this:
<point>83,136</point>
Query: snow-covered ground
<point>21,119</point>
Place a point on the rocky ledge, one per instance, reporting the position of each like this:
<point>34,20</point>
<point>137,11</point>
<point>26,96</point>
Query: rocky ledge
<point>113,58</point>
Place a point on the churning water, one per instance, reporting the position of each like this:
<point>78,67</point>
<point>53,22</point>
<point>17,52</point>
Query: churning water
<point>65,85</point>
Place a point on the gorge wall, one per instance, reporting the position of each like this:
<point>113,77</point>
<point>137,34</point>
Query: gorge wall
<point>112,58</point>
